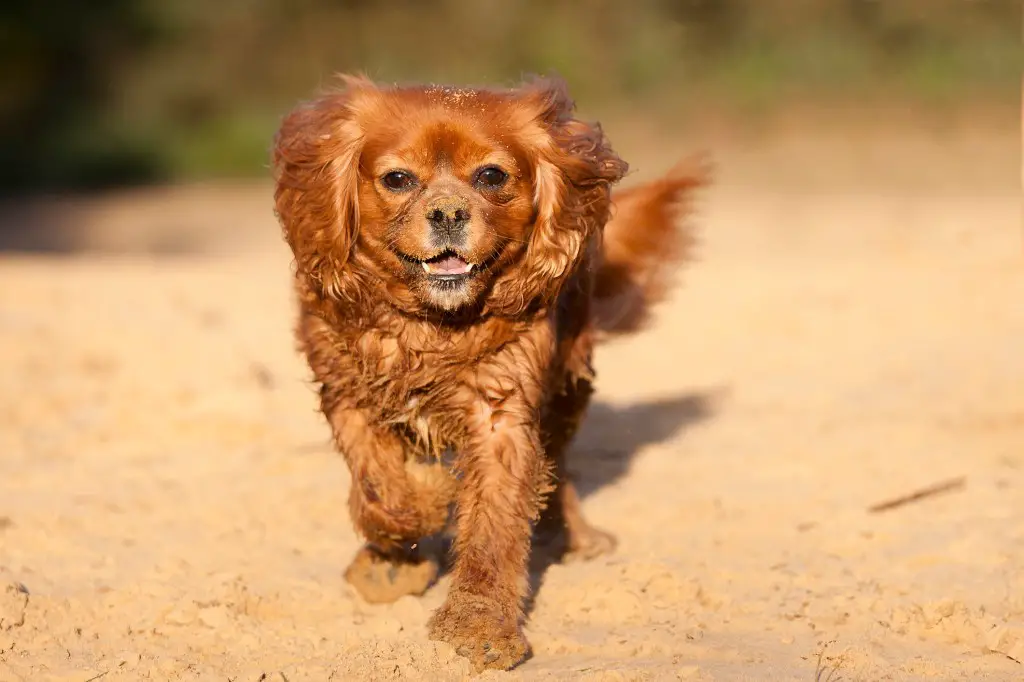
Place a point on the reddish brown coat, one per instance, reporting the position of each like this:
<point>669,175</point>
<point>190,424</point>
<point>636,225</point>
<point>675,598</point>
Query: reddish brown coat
<point>497,371</point>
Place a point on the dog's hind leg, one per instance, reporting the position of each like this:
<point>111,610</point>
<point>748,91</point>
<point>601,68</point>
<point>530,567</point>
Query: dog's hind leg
<point>562,529</point>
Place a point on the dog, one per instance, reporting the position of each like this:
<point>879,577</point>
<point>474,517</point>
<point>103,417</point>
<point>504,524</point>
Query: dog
<point>458,254</point>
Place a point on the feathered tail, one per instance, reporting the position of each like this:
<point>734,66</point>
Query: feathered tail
<point>644,242</point>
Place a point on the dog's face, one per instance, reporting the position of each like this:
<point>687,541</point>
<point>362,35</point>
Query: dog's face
<point>446,202</point>
<point>452,198</point>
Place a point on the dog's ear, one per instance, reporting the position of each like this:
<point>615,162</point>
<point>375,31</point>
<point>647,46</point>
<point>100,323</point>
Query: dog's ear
<point>574,167</point>
<point>315,162</point>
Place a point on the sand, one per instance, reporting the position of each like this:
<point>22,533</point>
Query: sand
<point>853,330</point>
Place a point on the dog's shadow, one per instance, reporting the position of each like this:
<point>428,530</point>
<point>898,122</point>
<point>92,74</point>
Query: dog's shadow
<point>609,441</point>
<point>602,453</point>
<point>612,436</point>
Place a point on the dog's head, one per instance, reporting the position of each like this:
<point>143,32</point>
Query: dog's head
<point>442,198</point>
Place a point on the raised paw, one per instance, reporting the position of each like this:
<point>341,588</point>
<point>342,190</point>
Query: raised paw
<point>588,543</point>
<point>381,579</point>
<point>479,630</point>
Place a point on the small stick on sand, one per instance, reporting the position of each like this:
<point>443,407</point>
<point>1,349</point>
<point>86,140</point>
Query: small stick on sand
<point>920,494</point>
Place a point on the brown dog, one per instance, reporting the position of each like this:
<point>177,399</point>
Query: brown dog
<point>454,267</point>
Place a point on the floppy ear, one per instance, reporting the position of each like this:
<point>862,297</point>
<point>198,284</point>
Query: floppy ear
<point>574,169</point>
<point>315,163</point>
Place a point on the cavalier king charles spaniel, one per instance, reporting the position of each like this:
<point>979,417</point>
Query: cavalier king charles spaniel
<point>458,253</point>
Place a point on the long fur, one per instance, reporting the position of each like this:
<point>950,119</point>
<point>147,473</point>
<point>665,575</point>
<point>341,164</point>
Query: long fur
<point>646,239</point>
<point>498,371</point>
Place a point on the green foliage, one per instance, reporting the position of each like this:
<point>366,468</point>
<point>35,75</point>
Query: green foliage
<point>113,91</point>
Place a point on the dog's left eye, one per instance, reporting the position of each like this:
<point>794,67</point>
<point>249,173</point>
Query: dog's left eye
<point>491,177</point>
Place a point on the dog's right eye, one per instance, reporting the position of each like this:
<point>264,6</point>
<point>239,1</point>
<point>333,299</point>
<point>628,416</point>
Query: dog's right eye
<point>398,181</point>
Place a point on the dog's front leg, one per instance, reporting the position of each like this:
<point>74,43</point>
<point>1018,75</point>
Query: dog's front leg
<point>388,507</point>
<point>504,474</point>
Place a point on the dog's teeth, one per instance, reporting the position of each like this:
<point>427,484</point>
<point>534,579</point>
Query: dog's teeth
<point>469,267</point>
<point>426,267</point>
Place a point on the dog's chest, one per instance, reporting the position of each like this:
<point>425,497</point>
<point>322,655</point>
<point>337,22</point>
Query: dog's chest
<point>424,383</point>
<point>423,397</point>
<point>432,432</point>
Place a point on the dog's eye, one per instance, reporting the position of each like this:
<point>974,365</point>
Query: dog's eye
<point>397,180</point>
<point>491,177</point>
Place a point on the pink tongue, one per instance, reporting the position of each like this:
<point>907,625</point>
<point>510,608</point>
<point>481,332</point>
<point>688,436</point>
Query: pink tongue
<point>451,264</point>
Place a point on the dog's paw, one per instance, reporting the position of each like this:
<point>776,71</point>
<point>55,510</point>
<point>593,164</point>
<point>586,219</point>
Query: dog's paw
<point>588,543</point>
<point>380,579</point>
<point>479,630</point>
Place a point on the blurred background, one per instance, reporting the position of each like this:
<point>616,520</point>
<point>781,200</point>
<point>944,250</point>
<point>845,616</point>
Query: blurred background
<point>850,330</point>
<point>145,125</point>
<point>109,93</point>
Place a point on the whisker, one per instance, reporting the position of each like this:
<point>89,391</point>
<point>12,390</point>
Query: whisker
<point>510,238</point>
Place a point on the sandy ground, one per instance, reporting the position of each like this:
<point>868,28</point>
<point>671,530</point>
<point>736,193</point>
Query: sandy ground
<point>853,331</point>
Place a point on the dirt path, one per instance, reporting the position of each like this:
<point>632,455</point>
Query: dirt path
<point>169,508</point>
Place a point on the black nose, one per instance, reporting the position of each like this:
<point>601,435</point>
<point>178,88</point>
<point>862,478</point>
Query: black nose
<point>439,217</point>
<point>447,223</point>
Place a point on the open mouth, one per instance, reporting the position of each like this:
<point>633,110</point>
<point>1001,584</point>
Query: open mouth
<point>447,265</point>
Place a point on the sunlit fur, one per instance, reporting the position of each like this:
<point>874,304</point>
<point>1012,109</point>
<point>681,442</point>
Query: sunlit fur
<point>495,367</point>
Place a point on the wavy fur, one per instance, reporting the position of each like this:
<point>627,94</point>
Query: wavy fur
<point>495,369</point>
